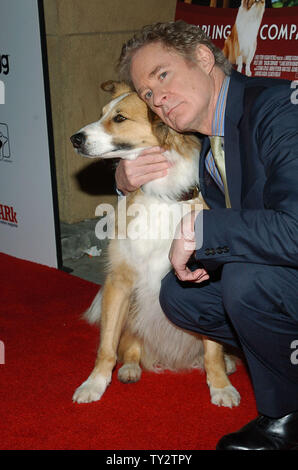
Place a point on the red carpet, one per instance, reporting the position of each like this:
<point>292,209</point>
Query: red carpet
<point>49,351</point>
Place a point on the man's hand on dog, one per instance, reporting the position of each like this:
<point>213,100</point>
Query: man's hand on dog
<point>150,165</point>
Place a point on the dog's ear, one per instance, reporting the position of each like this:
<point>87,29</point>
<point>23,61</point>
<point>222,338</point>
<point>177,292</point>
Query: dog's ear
<point>159,128</point>
<point>116,88</point>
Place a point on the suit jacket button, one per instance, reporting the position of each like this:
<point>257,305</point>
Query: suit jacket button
<point>219,250</point>
<point>207,252</point>
<point>225,249</point>
<point>213,251</point>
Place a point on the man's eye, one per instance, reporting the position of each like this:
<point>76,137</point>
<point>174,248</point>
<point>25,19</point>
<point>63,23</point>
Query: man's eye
<point>119,118</point>
<point>148,95</point>
<point>163,75</point>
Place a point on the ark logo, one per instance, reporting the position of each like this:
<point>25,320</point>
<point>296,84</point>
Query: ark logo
<point>8,215</point>
<point>4,142</point>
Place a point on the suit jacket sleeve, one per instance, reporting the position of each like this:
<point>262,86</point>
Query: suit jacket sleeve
<point>268,235</point>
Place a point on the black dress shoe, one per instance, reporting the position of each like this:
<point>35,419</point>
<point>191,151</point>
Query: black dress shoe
<point>264,433</point>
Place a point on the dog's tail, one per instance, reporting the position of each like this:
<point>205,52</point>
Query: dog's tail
<point>92,315</point>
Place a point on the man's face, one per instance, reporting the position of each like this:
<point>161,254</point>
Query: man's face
<point>178,91</point>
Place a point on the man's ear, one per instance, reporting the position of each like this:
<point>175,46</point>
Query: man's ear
<point>205,57</point>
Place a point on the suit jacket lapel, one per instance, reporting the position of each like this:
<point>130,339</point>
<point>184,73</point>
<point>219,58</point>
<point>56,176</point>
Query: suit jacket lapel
<point>209,189</point>
<point>234,111</point>
<point>203,155</point>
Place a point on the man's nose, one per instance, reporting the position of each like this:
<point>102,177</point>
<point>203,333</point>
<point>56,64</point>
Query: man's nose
<point>159,97</point>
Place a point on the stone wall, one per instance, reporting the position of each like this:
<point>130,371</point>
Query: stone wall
<point>84,39</point>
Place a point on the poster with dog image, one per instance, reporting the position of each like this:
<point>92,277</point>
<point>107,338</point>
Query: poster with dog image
<point>258,41</point>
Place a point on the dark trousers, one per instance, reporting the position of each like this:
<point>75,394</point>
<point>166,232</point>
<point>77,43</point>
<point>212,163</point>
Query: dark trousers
<point>251,306</point>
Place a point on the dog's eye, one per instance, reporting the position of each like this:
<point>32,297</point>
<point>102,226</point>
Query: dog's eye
<point>119,118</point>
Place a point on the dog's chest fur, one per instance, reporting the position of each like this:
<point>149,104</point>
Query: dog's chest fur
<point>152,217</point>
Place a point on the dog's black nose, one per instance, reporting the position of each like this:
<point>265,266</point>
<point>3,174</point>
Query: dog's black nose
<point>78,139</point>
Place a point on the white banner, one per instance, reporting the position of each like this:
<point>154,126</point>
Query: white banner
<point>27,207</point>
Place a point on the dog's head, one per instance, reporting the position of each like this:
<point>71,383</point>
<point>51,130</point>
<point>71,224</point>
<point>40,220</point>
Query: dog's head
<point>248,4</point>
<point>124,129</point>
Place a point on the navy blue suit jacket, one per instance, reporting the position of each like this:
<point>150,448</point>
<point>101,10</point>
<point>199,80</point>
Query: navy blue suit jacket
<point>261,154</point>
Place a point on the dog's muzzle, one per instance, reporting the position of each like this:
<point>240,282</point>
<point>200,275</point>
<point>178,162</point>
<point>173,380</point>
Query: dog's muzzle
<point>78,140</point>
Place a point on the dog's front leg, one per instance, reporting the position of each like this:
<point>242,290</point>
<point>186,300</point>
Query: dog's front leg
<point>249,59</point>
<point>221,390</point>
<point>239,63</point>
<point>130,349</point>
<point>115,305</point>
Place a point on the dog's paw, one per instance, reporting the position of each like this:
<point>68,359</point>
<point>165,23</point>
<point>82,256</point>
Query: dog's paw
<point>90,390</point>
<point>227,396</point>
<point>130,372</point>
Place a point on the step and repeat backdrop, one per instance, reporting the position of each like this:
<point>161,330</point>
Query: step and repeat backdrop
<point>29,226</point>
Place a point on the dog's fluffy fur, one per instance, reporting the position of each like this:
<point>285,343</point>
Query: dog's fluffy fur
<point>134,330</point>
<point>240,46</point>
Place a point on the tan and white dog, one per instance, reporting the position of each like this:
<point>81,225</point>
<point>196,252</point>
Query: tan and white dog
<point>241,45</point>
<point>133,328</point>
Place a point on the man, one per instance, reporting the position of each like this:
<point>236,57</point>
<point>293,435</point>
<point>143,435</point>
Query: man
<point>247,278</point>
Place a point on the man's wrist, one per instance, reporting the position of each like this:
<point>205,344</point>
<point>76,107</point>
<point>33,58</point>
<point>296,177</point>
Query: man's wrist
<point>119,192</point>
<point>188,225</point>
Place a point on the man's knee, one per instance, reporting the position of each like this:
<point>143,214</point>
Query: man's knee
<point>191,306</point>
<point>247,288</point>
<point>237,286</point>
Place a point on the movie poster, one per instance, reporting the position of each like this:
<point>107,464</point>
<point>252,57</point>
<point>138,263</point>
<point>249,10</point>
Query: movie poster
<point>258,41</point>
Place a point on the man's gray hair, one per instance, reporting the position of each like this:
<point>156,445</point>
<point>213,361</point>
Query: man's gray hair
<point>176,35</point>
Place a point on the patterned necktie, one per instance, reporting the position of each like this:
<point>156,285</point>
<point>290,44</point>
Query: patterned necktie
<point>219,157</point>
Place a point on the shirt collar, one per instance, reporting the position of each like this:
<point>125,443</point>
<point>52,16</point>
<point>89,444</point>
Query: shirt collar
<point>218,124</point>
